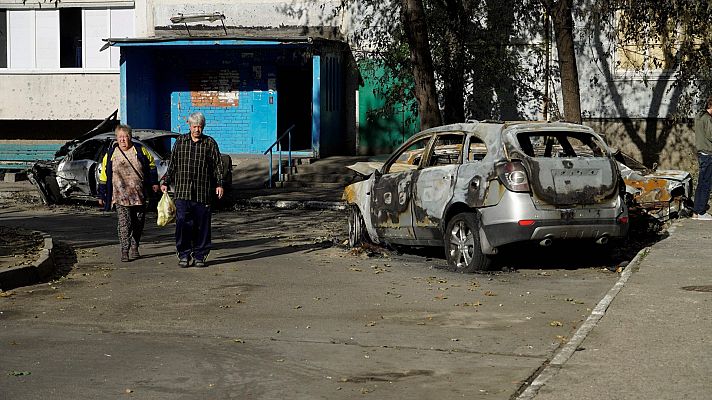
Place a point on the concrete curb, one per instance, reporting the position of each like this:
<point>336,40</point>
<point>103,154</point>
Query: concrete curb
<point>292,204</point>
<point>28,274</point>
<point>568,350</point>
<point>12,176</point>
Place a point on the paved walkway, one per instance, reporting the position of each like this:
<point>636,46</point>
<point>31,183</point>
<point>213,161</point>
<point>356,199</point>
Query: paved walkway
<point>654,340</point>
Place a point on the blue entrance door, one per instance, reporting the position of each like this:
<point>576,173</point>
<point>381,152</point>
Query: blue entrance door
<point>263,120</point>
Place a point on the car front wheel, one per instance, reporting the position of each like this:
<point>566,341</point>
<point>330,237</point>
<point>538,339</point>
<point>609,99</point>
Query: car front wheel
<point>357,229</point>
<point>54,196</point>
<point>462,244</point>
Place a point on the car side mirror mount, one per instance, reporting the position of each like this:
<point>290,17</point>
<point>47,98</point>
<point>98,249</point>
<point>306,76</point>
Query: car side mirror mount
<point>377,174</point>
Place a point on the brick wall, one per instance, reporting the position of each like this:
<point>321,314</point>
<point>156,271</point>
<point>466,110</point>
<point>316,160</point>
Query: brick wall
<point>227,97</point>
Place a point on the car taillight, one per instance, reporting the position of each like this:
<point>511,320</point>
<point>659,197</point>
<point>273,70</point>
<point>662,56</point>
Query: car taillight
<point>513,176</point>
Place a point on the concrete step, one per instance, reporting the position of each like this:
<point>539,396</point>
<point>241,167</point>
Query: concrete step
<point>304,185</point>
<point>330,165</point>
<point>346,178</point>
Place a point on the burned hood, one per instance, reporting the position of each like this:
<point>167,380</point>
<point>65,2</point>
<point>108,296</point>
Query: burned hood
<point>671,174</point>
<point>366,168</point>
<point>107,125</point>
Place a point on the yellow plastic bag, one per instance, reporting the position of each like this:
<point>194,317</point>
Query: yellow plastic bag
<point>166,210</point>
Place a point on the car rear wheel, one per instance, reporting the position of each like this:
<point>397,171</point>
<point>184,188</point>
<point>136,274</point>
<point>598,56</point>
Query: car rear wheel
<point>357,229</point>
<point>227,174</point>
<point>462,244</point>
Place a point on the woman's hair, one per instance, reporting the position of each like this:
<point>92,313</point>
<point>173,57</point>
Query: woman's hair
<point>197,118</point>
<point>124,128</point>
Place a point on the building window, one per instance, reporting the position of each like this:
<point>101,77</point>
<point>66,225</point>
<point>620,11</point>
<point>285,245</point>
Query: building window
<point>62,39</point>
<point>70,37</point>
<point>648,52</point>
<point>3,39</point>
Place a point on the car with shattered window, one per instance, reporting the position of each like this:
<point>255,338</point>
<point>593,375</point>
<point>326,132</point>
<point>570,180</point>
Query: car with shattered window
<point>658,193</point>
<point>74,173</point>
<point>477,187</point>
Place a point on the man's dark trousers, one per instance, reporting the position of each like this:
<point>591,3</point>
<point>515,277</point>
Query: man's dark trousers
<point>704,182</point>
<point>192,229</point>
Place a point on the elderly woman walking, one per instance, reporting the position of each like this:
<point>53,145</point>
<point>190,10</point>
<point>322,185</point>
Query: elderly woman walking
<point>128,174</point>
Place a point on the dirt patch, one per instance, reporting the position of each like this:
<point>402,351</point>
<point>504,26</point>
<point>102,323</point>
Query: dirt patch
<point>18,247</point>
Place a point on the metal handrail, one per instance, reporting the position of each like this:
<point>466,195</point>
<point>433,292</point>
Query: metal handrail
<point>269,150</point>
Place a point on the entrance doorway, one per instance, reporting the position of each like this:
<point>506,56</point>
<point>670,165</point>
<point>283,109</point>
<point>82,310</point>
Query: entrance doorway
<point>294,86</point>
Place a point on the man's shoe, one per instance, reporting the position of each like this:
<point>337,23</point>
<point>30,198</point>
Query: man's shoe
<point>702,217</point>
<point>199,263</point>
<point>184,262</point>
<point>125,256</point>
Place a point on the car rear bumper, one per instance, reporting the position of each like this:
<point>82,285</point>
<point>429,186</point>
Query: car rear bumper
<point>515,219</point>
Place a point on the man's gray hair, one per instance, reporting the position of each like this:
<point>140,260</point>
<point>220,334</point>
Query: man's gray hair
<point>125,128</point>
<point>197,118</point>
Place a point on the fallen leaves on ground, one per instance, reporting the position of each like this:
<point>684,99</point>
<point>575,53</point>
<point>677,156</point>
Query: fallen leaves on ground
<point>555,323</point>
<point>475,304</point>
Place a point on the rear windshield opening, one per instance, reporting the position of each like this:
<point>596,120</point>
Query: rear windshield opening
<point>161,145</point>
<point>560,144</point>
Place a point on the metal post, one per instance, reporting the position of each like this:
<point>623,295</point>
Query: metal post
<point>279,166</point>
<point>270,168</point>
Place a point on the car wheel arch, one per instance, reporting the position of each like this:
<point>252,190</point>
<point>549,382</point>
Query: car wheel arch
<point>369,230</point>
<point>452,210</point>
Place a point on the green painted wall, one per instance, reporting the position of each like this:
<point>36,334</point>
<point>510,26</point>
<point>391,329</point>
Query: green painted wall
<point>381,134</point>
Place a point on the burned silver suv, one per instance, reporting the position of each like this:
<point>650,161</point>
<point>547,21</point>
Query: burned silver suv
<point>475,187</point>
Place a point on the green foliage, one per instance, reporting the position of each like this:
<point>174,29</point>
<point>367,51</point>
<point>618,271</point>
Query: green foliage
<point>500,68</point>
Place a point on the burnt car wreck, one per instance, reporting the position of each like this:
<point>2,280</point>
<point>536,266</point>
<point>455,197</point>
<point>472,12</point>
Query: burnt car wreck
<point>655,195</point>
<point>476,187</point>
<point>74,173</point>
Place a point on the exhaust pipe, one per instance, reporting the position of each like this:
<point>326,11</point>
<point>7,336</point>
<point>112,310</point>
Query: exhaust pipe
<point>602,240</point>
<point>546,242</point>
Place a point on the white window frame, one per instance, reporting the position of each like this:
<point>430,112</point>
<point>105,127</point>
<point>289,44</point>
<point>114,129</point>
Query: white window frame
<point>58,70</point>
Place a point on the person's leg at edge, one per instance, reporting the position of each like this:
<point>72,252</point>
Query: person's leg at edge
<point>124,230</point>
<point>704,182</point>
<point>184,228</point>
<point>202,238</point>
<point>138,220</point>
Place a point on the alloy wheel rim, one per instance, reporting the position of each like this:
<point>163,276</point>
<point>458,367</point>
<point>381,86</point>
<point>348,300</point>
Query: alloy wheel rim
<point>461,244</point>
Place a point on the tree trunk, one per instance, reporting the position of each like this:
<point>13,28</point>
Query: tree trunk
<point>454,69</point>
<point>416,31</point>
<point>562,19</point>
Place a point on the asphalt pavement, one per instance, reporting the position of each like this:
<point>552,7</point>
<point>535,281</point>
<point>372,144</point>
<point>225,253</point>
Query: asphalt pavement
<point>648,338</point>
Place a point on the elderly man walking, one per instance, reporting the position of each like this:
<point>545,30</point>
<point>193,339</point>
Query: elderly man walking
<point>195,172</point>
